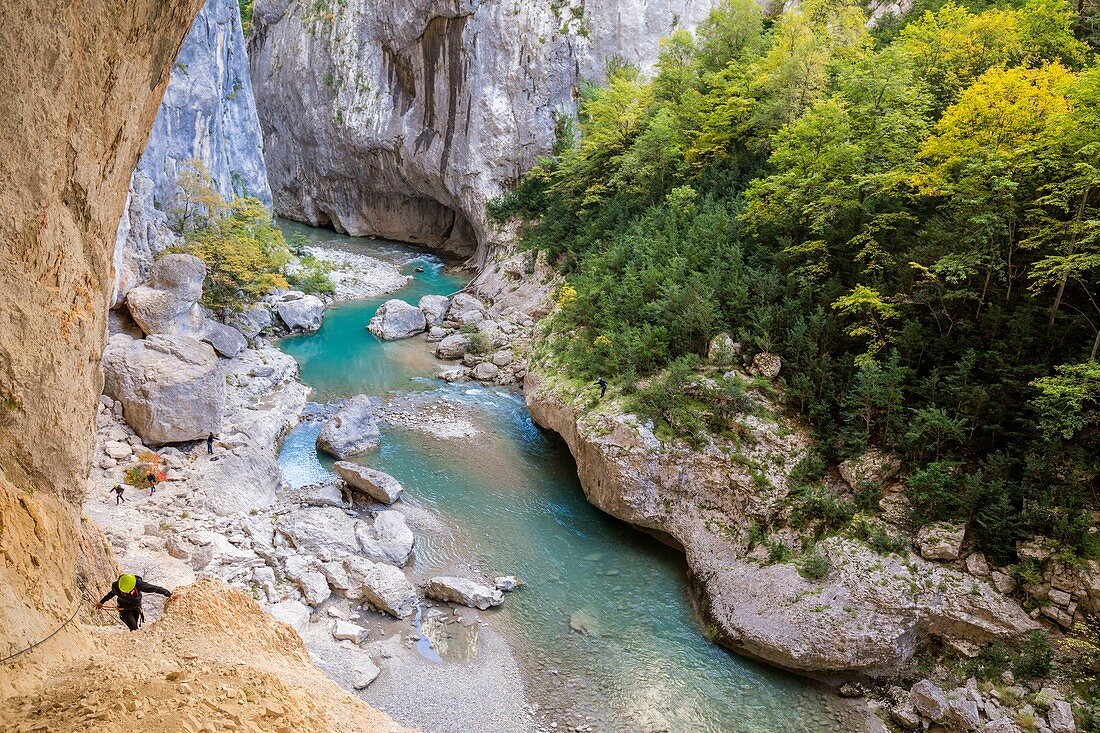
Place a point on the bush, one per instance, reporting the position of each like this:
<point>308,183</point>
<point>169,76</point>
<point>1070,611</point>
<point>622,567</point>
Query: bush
<point>1036,659</point>
<point>245,253</point>
<point>817,505</point>
<point>814,566</point>
<point>313,276</point>
<point>137,475</point>
<point>477,341</point>
<point>992,660</point>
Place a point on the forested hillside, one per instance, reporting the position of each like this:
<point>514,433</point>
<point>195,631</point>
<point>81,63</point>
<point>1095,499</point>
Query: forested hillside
<point>908,215</point>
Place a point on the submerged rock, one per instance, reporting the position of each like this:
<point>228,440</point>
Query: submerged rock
<point>396,319</point>
<point>351,430</point>
<point>463,591</point>
<point>379,485</point>
<point>170,387</point>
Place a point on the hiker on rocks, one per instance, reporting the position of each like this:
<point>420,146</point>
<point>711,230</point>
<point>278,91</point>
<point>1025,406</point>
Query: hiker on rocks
<point>152,479</point>
<point>210,444</point>
<point>119,499</point>
<point>602,385</point>
<point>128,589</point>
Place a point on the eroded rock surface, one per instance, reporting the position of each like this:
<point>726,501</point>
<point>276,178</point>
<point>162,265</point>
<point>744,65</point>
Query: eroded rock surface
<point>866,616</point>
<point>171,387</point>
<point>351,430</point>
<point>403,119</point>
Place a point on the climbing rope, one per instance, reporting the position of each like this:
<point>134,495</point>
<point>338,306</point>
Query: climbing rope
<point>43,641</point>
<point>84,599</point>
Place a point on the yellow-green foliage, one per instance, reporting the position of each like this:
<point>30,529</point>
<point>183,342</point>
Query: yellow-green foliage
<point>909,216</point>
<point>245,253</point>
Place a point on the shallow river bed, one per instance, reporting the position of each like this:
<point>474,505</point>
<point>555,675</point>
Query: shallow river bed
<point>604,629</point>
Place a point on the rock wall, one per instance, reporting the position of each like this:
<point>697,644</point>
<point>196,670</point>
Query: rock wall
<point>81,86</point>
<point>208,114</point>
<point>403,118</point>
<point>866,617</point>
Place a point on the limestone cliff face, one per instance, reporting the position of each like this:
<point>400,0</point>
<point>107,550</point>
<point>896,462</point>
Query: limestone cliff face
<point>208,114</point>
<point>401,118</point>
<point>81,87</point>
<point>867,616</point>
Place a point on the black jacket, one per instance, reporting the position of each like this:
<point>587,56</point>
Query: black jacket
<point>133,599</point>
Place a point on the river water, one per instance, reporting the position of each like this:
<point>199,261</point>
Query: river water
<point>604,628</point>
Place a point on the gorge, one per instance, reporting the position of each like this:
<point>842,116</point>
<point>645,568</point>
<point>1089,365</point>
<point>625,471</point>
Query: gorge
<point>479,465</point>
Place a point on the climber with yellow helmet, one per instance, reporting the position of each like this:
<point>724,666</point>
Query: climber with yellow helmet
<point>128,589</point>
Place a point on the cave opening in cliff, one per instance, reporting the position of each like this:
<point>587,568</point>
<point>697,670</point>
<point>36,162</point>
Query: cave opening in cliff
<point>412,219</point>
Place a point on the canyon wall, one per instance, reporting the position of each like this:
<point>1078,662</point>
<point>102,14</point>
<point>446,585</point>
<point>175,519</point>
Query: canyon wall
<point>81,86</point>
<point>867,616</point>
<point>402,119</point>
<point>208,115</point>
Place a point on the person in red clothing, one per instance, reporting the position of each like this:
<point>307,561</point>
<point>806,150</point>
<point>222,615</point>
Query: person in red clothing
<point>128,589</point>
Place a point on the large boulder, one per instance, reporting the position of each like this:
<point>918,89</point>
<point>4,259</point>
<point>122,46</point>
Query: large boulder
<point>766,364</point>
<point>303,313</point>
<point>464,591</point>
<point>466,310</point>
<point>383,586</point>
<point>379,485</point>
<point>929,700</point>
<point>351,430</point>
<point>388,539</point>
<point>251,321</point>
<point>179,274</point>
<point>433,307</point>
<point>169,304</point>
<point>872,468</point>
<point>170,387</point>
<point>395,319</point>
<point>453,346</point>
<point>326,533</point>
<point>226,340</point>
<point>238,483</point>
<point>941,541</point>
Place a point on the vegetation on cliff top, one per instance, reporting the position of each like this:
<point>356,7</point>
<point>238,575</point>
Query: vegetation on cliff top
<point>910,217</point>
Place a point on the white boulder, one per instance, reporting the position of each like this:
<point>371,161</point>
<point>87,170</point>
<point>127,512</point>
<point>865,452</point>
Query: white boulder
<point>304,313</point>
<point>379,485</point>
<point>351,430</point>
<point>387,539</point>
<point>433,307</point>
<point>464,591</point>
<point>396,319</point>
<point>170,387</point>
<point>383,586</point>
<point>941,541</point>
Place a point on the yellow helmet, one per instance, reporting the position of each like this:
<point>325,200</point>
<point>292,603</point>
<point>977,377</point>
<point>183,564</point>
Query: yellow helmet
<point>126,582</point>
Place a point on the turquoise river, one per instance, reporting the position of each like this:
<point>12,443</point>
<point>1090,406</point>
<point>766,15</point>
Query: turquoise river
<point>511,497</point>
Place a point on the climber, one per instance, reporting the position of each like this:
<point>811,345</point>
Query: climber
<point>118,494</point>
<point>210,444</point>
<point>128,589</point>
<point>603,386</point>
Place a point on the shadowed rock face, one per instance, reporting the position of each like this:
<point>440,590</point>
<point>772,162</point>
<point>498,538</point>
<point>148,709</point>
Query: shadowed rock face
<point>402,118</point>
<point>81,87</point>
